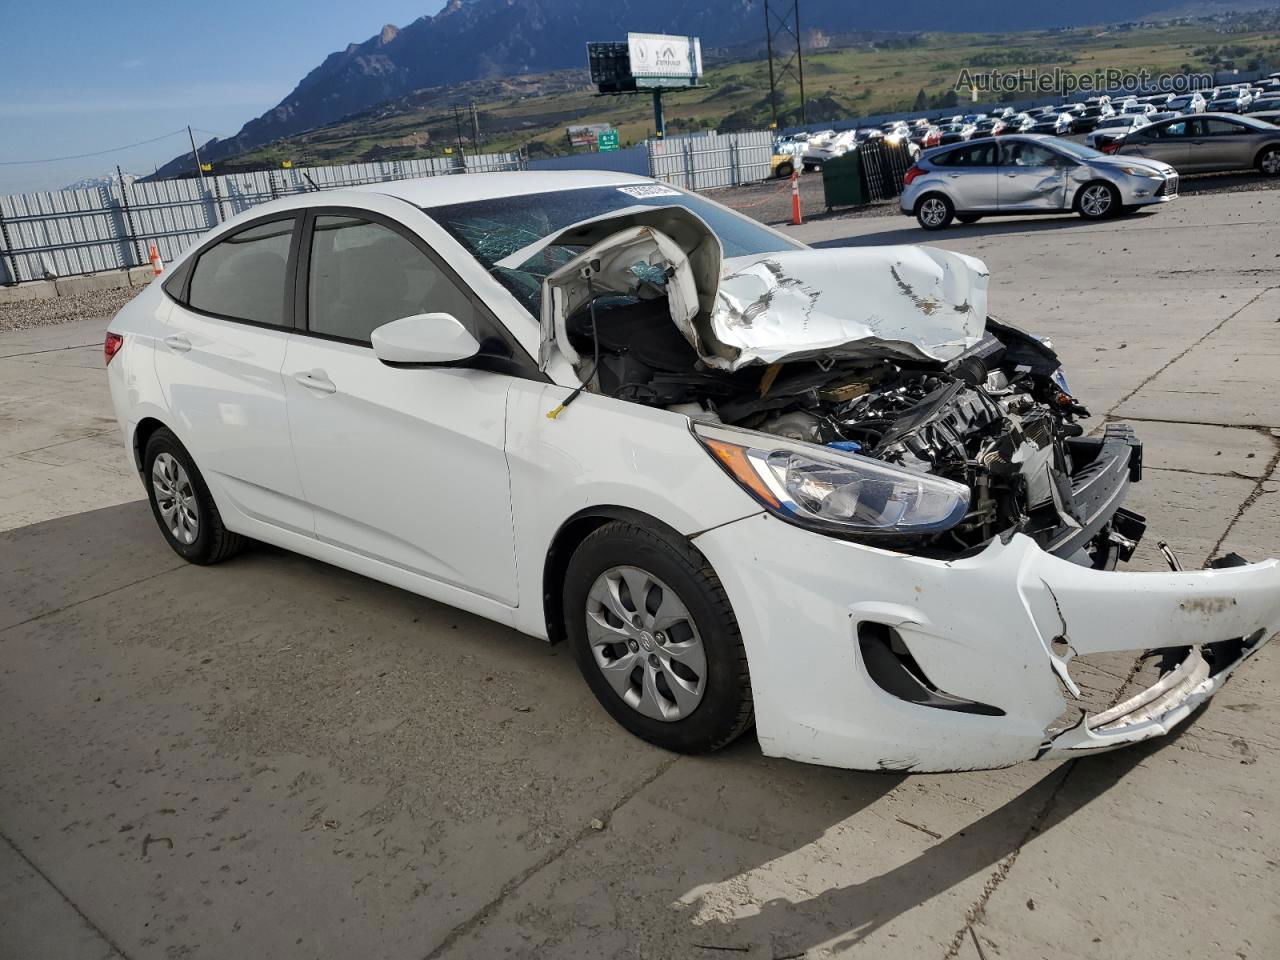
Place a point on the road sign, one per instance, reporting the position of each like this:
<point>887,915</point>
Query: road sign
<point>607,140</point>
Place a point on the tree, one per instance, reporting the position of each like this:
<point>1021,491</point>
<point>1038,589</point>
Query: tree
<point>922,101</point>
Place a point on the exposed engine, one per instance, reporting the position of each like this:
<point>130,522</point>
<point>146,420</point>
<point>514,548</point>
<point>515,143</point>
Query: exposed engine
<point>998,419</point>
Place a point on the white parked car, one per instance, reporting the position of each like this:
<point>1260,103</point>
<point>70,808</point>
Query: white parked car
<point>817,491</point>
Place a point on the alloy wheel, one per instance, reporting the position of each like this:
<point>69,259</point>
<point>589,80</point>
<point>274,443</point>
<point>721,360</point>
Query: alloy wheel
<point>645,643</point>
<point>1096,201</point>
<point>175,498</point>
<point>1271,163</point>
<point>933,212</point>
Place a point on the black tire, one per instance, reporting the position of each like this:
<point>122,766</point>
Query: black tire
<point>785,170</point>
<point>1087,208</point>
<point>1268,162</point>
<point>212,541</point>
<point>725,710</point>
<point>927,212</point>
<point>968,217</point>
<point>808,167</point>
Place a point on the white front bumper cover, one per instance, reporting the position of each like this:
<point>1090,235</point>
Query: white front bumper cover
<point>997,629</point>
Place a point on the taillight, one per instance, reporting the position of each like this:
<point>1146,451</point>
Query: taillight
<point>911,174</point>
<point>1111,147</point>
<point>111,346</point>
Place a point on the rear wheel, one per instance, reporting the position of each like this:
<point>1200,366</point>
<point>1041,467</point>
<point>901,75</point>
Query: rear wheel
<point>1269,161</point>
<point>934,211</point>
<point>182,505</point>
<point>656,639</point>
<point>786,169</point>
<point>1098,200</point>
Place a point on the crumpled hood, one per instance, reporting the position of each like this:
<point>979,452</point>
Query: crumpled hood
<point>915,303</point>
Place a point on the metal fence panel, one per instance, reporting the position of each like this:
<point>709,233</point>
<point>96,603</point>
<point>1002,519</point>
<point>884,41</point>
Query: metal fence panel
<point>67,232</point>
<point>630,160</point>
<point>708,161</point>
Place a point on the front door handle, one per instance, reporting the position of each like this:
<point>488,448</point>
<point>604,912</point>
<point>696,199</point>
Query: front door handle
<point>177,343</point>
<point>316,380</point>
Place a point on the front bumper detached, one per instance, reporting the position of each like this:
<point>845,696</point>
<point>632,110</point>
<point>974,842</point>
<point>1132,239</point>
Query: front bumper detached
<point>869,659</point>
<point>1159,708</point>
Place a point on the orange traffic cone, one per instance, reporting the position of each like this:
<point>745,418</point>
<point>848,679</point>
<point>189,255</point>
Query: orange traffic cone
<point>157,265</point>
<point>795,197</point>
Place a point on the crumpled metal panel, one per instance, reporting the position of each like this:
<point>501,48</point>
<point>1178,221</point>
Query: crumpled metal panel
<point>917,303</point>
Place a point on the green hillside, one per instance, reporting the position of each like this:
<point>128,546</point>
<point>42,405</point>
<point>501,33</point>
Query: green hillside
<point>889,73</point>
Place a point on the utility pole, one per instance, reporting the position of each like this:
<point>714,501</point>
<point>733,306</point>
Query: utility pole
<point>781,30</point>
<point>196,153</point>
<point>457,123</point>
<point>475,127</point>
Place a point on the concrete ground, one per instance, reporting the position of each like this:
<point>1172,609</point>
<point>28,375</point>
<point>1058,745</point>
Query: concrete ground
<point>274,758</point>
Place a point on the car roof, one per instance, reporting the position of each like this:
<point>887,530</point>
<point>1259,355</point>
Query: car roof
<point>437,191</point>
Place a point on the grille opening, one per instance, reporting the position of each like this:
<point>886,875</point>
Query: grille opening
<point>889,662</point>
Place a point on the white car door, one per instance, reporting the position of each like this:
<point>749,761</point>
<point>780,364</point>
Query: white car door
<point>405,466</point>
<point>219,364</point>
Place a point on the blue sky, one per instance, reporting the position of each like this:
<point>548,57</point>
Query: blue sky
<point>79,76</point>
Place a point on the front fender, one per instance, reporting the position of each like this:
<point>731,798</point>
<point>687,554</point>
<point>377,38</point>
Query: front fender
<point>602,452</point>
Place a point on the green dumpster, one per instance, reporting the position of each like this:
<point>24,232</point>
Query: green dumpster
<point>843,184</point>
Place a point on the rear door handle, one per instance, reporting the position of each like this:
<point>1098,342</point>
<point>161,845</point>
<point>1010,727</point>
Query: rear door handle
<point>316,380</point>
<point>177,343</point>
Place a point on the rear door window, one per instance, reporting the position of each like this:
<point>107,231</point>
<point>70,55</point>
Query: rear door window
<point>244,277</point>
<point>977,155</point>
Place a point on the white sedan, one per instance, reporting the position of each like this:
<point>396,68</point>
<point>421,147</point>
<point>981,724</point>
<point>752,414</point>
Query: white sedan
<point>750,483</point>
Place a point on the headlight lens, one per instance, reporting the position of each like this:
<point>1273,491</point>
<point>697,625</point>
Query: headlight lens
<point>834,490</point>
<point>1142,172</point>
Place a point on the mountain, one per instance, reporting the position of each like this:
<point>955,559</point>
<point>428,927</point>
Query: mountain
<point>472,39</point>
<point>94,183</point>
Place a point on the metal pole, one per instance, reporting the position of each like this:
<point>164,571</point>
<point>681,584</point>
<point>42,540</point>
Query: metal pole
<point>457,123</point>
<point>800,62</point>
<point>659,122</point>
<point>8,248</point>
<point>196,152</point>
<point>475,127</point>
<point>128,219</point>
<point>773,87</point>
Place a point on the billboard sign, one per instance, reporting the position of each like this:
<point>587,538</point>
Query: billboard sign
<point>586,134</point>
<point>658,59</point>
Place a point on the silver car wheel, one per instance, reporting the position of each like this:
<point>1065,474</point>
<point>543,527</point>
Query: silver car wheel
<point>175,498</point>
<point>933,212</point>
<point>646,644</point>
<point>1271,163</point>
<point>1096,201</point>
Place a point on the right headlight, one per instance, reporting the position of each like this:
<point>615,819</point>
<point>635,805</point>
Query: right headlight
<point>834,491</point>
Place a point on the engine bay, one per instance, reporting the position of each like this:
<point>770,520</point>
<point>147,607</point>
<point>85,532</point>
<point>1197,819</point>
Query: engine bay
<point>998,418</point>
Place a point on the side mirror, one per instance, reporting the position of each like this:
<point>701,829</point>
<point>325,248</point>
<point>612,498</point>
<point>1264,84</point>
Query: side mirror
<point>426,338</point>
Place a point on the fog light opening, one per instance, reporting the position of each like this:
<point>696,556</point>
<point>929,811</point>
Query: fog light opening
<point>889,663</point>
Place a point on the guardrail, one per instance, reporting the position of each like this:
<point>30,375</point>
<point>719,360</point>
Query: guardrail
<point>69,232</point>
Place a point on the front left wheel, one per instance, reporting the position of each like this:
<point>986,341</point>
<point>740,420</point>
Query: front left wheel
<point>656,639</point>
<point>182,504</point>
<point>1098,200</point>
<point>1269,162</point>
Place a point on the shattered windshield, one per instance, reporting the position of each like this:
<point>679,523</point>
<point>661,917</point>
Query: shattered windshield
<point>494,229</point>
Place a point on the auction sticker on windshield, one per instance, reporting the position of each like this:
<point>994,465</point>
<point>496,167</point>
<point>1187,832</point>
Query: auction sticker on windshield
<point>649,190</point>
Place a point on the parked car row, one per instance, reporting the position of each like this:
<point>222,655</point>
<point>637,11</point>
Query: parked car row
<point>1106,121</point>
